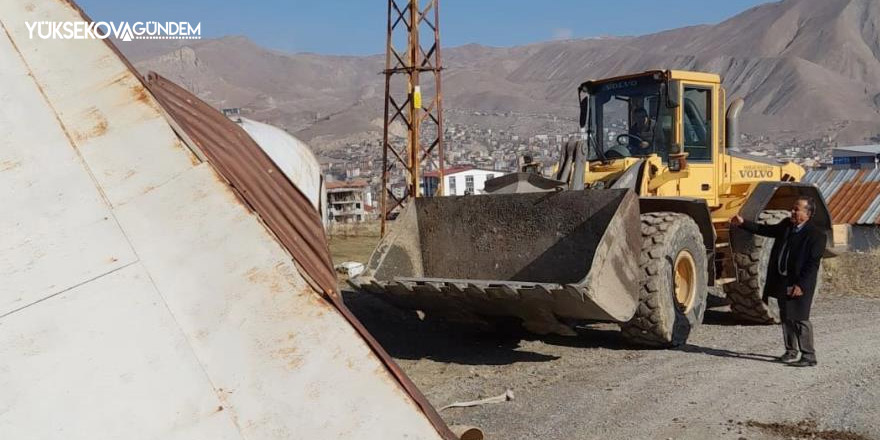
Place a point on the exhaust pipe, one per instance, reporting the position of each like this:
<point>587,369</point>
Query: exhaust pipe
<point>732,139</point>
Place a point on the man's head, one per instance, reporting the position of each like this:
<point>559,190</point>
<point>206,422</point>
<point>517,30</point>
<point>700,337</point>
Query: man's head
<point>640,116</point>
<point>802,210</point>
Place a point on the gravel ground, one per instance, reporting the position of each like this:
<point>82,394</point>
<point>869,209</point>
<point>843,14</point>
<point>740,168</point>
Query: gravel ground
<point>723,384</point>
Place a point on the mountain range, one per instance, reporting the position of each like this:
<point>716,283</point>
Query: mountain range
<point>807,69</point>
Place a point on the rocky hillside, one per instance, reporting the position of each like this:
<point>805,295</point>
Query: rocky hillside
<point>807,69</point>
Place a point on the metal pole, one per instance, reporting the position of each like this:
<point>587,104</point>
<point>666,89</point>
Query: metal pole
<point>438,98</point>
<point>414,97</point>
<point>384,196</point>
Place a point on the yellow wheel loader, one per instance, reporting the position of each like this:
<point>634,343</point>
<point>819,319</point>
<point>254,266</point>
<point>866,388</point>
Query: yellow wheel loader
<point>632,227</point>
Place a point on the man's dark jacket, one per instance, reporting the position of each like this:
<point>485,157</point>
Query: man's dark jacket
<point>805,249</point>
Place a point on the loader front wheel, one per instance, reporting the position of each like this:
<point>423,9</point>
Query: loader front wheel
<point>751,274</point>
<point>673,289</point>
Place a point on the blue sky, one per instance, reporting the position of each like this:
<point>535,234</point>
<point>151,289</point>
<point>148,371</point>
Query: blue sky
<point>357,27</point>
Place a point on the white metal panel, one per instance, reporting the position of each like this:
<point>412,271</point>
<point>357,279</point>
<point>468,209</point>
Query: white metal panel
<point>292,155</point>
<point>110,118</point>
<point>56,231</point>
<point>292,366</point>
<point>279,359</point>
<point>104,360</point>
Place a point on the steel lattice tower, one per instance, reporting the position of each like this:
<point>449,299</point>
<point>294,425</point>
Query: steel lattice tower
<point>423,149</point>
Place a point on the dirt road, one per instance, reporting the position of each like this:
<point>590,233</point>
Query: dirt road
<point>723,384</point>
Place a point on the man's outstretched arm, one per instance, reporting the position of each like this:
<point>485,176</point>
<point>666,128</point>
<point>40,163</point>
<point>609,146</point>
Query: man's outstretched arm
<point>773,231</point>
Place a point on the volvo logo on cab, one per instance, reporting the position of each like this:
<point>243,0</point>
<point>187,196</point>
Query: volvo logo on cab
<point>756,173</point>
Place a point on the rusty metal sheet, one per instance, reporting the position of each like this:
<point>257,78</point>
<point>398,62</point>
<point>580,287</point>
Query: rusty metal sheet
<point>853,196</point>
<point>157,303</point>
<point>253,174</point>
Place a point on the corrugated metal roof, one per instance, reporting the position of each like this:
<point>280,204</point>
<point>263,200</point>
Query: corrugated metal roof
<point>852,195</point>
<point>869,149</point>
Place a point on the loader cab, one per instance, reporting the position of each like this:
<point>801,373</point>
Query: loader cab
<point>683,116</point>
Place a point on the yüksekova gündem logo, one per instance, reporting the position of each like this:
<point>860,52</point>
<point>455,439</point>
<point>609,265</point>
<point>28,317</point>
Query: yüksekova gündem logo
<point>123,30</point>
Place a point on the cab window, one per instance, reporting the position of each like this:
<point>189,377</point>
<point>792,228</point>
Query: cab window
<point>697,115</point>
<point>630,119</point>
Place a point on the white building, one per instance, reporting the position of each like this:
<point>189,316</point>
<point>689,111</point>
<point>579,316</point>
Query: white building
<point>348,202</point>
<point>458,181</point>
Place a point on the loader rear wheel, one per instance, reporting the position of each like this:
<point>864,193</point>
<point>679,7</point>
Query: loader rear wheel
<point>673,290</point>
<point>751,272</point>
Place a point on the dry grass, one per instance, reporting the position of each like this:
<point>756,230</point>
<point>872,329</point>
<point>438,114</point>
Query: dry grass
<point>853,274</point>
<point>352,248</point>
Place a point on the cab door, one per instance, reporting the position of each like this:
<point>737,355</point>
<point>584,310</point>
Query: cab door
<point>699,138</point>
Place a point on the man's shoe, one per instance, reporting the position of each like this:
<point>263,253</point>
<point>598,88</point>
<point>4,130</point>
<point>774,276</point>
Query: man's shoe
<point>787,357</point>
<point>803,363</point>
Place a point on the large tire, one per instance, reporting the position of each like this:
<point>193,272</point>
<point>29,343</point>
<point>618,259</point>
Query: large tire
<point>751,275</point>
<point>669,241</point>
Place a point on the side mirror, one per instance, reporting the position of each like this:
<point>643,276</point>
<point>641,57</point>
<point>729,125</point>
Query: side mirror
<point>673,93</point>
<point>677,159</point>
<point>585,110</point>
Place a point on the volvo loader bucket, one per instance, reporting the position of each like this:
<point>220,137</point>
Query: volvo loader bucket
<point>546,258</point>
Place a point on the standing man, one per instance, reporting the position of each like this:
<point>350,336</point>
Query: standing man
<point>791,277</point>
